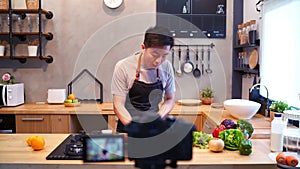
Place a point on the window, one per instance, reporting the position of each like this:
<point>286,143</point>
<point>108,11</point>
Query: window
<point>280,52</point>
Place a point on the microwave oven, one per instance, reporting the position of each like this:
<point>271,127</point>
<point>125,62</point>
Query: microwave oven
<point>12,94</point>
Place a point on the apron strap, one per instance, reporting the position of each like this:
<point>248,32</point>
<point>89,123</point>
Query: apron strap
<point>138,70</point>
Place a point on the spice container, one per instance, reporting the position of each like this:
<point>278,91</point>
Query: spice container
<point>239,34</point>
<point>252,32</point>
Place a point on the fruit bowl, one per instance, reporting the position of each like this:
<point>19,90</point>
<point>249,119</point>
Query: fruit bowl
<point>72,104</point>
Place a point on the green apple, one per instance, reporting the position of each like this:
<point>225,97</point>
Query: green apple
<point>75,101</point>
<point>68,101</point>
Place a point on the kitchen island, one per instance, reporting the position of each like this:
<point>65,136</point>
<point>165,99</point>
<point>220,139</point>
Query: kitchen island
<point>15,153</point>
<point>56,118</point>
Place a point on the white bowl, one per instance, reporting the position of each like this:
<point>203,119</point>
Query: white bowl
<point>241,108</point>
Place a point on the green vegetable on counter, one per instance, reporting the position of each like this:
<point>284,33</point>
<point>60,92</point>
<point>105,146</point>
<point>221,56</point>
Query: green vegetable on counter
<point>245,147</point>
<point>232,138</point>
<point>245,127</point>
<point>201,140</point>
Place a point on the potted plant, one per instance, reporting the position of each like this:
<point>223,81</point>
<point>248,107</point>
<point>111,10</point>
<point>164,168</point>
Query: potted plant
<point>207,95</point>
<point>278,107</point>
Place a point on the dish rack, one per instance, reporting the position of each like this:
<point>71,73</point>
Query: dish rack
<point>291,141</point>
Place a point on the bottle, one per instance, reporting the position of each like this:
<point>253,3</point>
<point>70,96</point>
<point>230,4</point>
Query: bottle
<point>277,129</point>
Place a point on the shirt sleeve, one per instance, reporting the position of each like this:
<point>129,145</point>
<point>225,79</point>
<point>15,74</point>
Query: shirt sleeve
<point>170,82</point>
<point>118,85</point>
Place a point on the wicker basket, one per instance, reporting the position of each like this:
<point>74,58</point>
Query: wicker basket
<point>32,4</point>
<point>4,4</point>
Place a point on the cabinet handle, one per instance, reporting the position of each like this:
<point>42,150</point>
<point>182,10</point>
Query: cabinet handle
<point>32,119</point>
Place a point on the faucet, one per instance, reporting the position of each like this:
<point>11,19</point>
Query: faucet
<point>257,85</point>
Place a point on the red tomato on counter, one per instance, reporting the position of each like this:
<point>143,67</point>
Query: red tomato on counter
<point>217,129</point>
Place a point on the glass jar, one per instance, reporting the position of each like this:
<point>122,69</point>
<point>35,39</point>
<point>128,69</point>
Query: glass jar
<point>239,34</point>
<point>252,32</point>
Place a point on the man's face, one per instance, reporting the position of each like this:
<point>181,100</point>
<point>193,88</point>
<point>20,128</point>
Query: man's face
<point>155,56</point>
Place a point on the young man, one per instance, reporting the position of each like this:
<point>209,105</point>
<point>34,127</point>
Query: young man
<point>140,81</point>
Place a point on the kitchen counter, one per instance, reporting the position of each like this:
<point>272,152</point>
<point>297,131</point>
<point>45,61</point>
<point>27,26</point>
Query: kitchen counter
<point>14,153</point>
<point>210,115</point>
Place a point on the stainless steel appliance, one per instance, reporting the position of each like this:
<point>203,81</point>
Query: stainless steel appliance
<point>12,94</point>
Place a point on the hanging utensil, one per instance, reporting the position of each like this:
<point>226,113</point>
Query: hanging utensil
<point>208,70</point>
<point>179,72</point>
<point>202,60</point>
<point>197,72</point>
<point>188,65</point>
<point>173,55</point>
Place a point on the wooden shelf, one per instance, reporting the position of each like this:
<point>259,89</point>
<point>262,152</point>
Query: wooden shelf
<point>22,59</point>
<point>47,35</point>
<point>247,70</point>
<point>48,14</point>
<point>23,35</point>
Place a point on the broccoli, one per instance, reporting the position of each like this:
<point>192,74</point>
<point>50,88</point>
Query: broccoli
<point>245,126</point>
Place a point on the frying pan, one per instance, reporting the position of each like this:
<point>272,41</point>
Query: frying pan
<point>196,71</point>
<point>188,65</point>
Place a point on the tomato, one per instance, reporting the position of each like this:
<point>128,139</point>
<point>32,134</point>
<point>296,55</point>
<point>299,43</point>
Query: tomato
<point>292,161</point>
<point>217,129</point>
<point>281,158</point>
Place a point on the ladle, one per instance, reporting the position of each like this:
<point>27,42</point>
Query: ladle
<point>179,72</point>
<point>208,70</point>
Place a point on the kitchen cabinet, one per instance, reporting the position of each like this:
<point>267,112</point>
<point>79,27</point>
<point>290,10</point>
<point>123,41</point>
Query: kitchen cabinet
<point>15,38</point>
<point>41,123</point>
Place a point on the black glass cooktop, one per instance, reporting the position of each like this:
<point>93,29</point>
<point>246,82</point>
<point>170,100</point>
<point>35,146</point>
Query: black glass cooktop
<point>70,149</point>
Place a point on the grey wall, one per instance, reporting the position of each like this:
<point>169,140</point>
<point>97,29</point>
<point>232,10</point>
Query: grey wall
<point>91,36</point>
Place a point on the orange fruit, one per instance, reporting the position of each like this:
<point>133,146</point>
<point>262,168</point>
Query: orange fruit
<point>71,97</point>
<point>28,140</point>
<point>37,142</point>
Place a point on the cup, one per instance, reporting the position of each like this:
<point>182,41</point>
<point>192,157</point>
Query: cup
<point>32,50</point>
<point>2,48</point>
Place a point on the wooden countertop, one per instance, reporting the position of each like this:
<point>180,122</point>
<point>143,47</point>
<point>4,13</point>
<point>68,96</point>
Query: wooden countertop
<point>14,153</point>
<point>104,108</point>
<point>260,123</point>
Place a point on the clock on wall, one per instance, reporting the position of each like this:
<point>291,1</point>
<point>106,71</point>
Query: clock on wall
<point>113,3</point>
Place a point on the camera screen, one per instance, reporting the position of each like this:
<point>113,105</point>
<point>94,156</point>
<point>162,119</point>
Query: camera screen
<point>102,148</point>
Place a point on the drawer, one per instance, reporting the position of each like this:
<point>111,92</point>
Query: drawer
<point>33,124</point>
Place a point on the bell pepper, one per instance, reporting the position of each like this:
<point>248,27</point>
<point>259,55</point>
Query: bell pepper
<point>217,129</point>
<point>245,147</point>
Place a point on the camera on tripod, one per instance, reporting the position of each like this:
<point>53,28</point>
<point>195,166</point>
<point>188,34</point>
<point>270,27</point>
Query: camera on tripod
<point>154,142</point>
